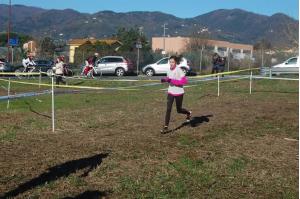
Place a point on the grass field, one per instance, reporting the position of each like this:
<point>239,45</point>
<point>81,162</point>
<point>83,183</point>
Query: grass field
<point>107,143</point>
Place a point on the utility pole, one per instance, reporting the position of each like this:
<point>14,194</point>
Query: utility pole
<point>12,55</point>
<point>138,46</point>
<point>201,54</point>
<point>8,31</point>
<point>228,59</point>
<point>262,56</point>
<point>164,40</point>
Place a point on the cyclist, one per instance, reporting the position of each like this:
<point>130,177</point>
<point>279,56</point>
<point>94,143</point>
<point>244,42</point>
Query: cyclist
<point>28,63</point>
<point>89,65</point>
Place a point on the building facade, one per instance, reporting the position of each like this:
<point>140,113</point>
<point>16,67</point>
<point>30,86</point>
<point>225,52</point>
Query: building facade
<point>180,44</point>
<point>30,47</point>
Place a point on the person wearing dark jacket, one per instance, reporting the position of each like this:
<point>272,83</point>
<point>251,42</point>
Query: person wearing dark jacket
<point>221,64</point>
<point>215,62</point>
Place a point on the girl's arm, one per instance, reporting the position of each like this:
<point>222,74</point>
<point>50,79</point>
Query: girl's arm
<point>180,82</point>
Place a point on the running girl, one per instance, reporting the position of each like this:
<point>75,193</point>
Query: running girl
<point>176,79</point>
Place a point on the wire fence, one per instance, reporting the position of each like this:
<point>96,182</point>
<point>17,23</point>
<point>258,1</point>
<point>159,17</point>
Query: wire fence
<point>36,81</point>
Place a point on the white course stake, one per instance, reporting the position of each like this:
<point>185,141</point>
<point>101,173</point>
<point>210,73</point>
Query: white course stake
<point>40,79</point>
<point>53,127</point>
<point>218,85</point>
<point>250,86</point>
<point>8,93</point>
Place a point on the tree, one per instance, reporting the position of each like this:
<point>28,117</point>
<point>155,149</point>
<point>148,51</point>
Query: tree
<point>125,46</point>
<point>22,38</point>
<point>47,48</point>
<point>88,49</point>
<point>19,53</point>
<point>130,38</point>
<point>104,48</point>
<point>83,51</point>
<point>197,43</point>
<point>262,46</point>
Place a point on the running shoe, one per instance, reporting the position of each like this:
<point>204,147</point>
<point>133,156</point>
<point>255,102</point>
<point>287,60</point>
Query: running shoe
<point>164,130</point>
<point>189,116</point>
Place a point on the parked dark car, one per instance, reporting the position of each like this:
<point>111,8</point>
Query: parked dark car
<point>5,66</point>
<point>44,65</point>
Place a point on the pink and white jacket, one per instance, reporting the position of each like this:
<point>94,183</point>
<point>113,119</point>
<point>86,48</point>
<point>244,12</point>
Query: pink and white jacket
<point>177,80</point>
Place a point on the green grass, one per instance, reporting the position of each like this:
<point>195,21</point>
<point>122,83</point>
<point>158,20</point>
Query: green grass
<point>76,181</point>
<point>49,185</point>
<point>183,179</point>
<point>290,195</point>
<point>187,141</point>
<point>9,134</point>
<point>239,153</point>
<point>237,165</point>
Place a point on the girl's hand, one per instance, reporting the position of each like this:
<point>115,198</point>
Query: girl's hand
<point>165,79</point>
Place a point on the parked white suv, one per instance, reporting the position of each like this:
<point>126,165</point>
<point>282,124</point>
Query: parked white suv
<point>117,65</point>
<point>163,65</point>
<point>289,66</point>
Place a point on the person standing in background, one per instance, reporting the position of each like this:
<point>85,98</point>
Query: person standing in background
<point>59,70</point>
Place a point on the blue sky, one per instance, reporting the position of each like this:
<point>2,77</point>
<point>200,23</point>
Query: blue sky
<point>179,8</point>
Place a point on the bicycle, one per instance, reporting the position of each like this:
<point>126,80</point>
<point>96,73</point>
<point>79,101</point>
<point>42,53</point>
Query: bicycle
<point>28,69</point>
<point>89,72</point>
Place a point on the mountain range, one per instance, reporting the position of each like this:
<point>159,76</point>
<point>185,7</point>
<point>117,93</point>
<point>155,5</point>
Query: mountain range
<point>233,25</point>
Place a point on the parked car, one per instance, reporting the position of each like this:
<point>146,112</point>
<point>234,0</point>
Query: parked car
<point>117,65</point>
<point>290,66</point>
<point>44,66</point>
<point>162,66</point>
<point>5,66</point>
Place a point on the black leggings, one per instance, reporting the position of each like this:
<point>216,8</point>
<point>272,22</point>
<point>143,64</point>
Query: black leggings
<point>170,100</point>
<point>215,69</point>
<point>59,78</point>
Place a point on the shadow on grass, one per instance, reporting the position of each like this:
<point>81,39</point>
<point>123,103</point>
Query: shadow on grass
<point>58,171</point>
<point>78,83</point>
<point>90,195</point>
<point>195,122</point>
<point>33,111</point>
